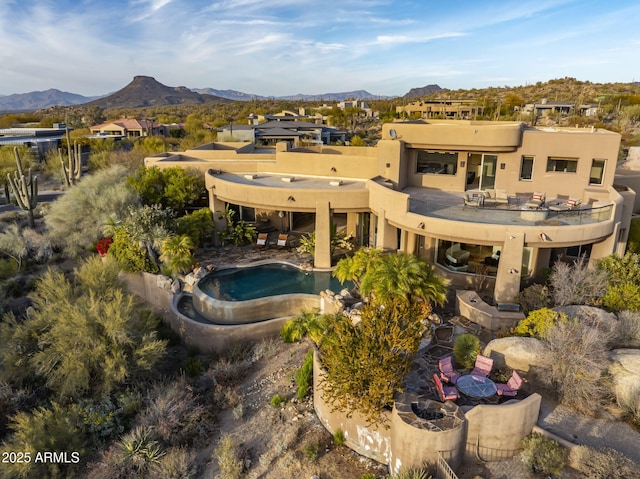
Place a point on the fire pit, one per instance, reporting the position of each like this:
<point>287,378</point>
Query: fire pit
<point>428,413</point>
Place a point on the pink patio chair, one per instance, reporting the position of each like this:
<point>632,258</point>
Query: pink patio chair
<point>483,366</point>
<point>445,393</point>
<point>512,386</point>
<point>447,373</point>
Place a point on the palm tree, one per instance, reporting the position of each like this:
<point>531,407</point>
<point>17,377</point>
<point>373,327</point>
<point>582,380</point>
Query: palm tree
<point>176,254</point>
<point>354,268</point>
<point>406,276</point>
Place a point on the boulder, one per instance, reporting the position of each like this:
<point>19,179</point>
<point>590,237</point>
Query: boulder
<point>518,353</point>
<point>591,315</point>
<point>163,282</point>
<point>625,374</point>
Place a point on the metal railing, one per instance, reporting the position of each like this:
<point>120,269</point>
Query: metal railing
<point>511,215</point>
<point>443,470</point>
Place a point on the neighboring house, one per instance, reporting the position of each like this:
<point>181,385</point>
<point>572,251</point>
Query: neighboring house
<point>296,133</point>
<point>406,194</point>
<point>454,109</point>
<point>361,104</point>
<point>129,128</point>
<point>39,140</point>
<point>547,108</point>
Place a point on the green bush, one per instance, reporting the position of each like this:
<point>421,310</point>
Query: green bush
<point>198,226</point>
<point>304,376</point>
<point>633,243</point>
<point>194,367</point>
<point>534,297</point>
<point>466,349</point>
<point>339,437</point>
<point>278,401</point>
<point>543,455</point>
<point>622,297</point>
<point>301,325</point>
<point>539,322</point>
<point>311,450</point>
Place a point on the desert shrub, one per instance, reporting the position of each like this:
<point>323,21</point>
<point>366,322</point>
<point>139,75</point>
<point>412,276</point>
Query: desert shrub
<point>75,220</point>
<point>8,268</point>
<point>577,283</point>
<point>633,243</point>
<point>543,455</point>
<point>603,463</point>
<point>228,456</point>
<point>139,449</point>
<point>176,414</point>
<point>198,226</point>
<point>538,323</point>
<point>107,416</point>
<point>278,400</point>
<point>176,463</point>
<point>339,437</point>
<point>578,358</point>
<point>311,450</point>
<point>533,297</point>
<point>412,473</point>
<point>628,330</point>
<point>55,428</point>
<point>194,367</point>
<point>466,349</point>
<point>623,288</point>
<point>304,376</point>
<point>366,363</point>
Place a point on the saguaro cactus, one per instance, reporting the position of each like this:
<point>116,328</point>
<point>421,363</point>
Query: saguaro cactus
<point>24,188</point>
<point>72,170</point>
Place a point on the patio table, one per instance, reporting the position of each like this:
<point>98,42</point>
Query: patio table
<point>476,386</point>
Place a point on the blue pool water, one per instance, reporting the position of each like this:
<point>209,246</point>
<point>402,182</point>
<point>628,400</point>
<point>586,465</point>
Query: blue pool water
<point>242,284</point>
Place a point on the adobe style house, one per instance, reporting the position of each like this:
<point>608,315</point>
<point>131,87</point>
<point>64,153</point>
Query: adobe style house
<point>128,128</point>
<point>497,202</point>
<point>451,109</point>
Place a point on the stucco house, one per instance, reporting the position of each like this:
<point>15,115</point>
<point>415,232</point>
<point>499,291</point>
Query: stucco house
<point>127,127</point>
<point>540,194</point>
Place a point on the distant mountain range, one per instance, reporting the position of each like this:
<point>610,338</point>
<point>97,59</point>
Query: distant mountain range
<point>146,91</point>
<point>423,91</point>
<point>41,99</point>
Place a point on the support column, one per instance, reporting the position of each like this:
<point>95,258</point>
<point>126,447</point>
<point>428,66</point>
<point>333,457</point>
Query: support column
<point>217,205</point>
<point>509,269</point>
<point>352,224</point>
<point>387,234</point>
<point>322,257</point>
<point>412,243</point>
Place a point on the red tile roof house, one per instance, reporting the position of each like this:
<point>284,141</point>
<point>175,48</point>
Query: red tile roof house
<point>129,127</point>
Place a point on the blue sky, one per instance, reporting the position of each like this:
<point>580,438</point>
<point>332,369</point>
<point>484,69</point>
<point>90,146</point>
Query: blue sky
<point>283,47</point>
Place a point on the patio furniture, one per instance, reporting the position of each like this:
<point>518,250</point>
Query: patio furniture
<point>447,373</point>
<point>457,259</point>
<point>282,240</point>
<point>498,196</point>
<point>566,205</point>
<point>537,200</point>
<point>445,393</point>
<point>483,366</point>
<point>261,242</point>
<point>475,200</point>
<point>512,386</point>
<point>476,386</point>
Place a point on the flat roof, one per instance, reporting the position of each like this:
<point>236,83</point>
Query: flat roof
<point>277,180</point>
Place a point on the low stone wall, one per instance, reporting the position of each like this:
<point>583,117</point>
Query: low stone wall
<point>471,306</point>
<point>494,431</point>
<point>207,338</point>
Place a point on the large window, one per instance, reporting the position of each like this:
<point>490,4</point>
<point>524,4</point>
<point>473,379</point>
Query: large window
<point>565,165</point>
<point>437,162</point>
<point>597,172</point>
<point>526,168</point>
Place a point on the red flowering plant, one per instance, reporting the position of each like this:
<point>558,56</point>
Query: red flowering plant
<point>103,246</point>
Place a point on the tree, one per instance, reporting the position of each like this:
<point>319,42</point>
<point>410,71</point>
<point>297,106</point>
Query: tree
<point>75,221</point>
<point>367,363</point>
<point>623,285</point>
<point>81,338</point>
<point>174,187</point>
<point>176,254</point>
<point>389,275</point>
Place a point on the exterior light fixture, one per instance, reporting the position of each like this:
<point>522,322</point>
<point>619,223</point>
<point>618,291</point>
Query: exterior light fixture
<point>333,169</point>
<point>421,225</point>
<point>291,198</point>
<point>544,237</point>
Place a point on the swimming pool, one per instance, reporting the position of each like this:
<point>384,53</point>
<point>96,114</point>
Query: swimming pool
<point>271,279</point>
<point>265,291</point>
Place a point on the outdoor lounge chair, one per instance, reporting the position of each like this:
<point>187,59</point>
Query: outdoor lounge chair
<point>475,200</point>
<point>512,386</point>
<point>447,373</point>
<point>445,393</point>
<point>537,200</point>
<point>282,240</point>
<point>261,242</point>
<point>483,366</point>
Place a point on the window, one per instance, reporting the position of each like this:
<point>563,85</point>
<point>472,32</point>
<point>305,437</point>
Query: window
<point>526,168</point>
<point>566,165</point>
<point>597,172</point>
<point>437,162</point>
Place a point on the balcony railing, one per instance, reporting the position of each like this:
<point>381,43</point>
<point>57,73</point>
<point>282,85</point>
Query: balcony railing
<point>511,214</point>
